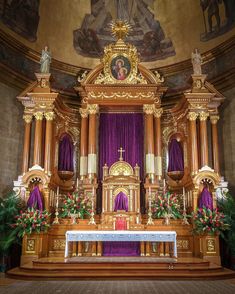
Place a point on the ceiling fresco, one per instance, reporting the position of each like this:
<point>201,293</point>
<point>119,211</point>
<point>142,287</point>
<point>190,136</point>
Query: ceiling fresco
<point>146,34</point>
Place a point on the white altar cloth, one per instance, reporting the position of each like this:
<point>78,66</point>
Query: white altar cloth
<point>146,236</point>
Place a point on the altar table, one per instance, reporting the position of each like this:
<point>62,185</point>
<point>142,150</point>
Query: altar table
<point>141,236</point>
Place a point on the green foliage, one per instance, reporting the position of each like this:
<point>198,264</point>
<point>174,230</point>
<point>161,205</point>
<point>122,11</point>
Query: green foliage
<point>76,204</point>
<point>32,220</point>
<point>167,204</point>
<point>9,208</point>
<point>207,221</point>
<point>227,205</point>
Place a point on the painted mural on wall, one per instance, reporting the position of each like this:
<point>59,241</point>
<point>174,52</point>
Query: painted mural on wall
<point>147,34</point>
<point>217,23</point>
<point>22,16</point>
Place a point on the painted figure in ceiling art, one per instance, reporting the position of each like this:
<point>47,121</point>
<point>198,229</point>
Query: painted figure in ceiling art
<point>22,16</point>
<point>147,34</point>
<point>214,22</point>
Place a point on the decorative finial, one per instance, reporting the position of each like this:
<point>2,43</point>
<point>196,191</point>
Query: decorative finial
<point>121,150</point>
<point>120,29</point>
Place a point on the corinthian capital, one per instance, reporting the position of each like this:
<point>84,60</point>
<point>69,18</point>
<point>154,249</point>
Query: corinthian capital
<point>148,108</point>
<point>27,118</point>
<point>83,112</point>
<point>158,112</point>
<point>50,115</point>
<point>203,115</point>
<point>38,115</point>
<point>93,108</point>
<point>214,119</point>
<point>192,115</point>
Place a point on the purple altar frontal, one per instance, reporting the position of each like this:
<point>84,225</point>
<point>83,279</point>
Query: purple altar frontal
<point>121,236</point>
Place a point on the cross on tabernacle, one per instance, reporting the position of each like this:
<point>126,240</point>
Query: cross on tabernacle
<point>121,151</point>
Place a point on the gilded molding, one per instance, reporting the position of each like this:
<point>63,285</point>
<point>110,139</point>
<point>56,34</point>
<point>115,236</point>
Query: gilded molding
<point>214,119</point>
<point>192,116</point>
<point>158,112</point>
<point>203,115</point>
<point>84,112</point>
<point>121,95</point>
<point>149,108</point>
<point>49,115</point>
<point>38,115</point>
<point>27,118</point>
<point>93,108</point>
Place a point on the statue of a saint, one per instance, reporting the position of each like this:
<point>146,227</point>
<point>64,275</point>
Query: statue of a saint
<point>197,62</point>
<point>45,61</point>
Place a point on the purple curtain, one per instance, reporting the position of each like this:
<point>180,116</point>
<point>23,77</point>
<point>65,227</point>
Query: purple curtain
<point>35,199</point>
<point>124,130</point>
<point>121,202</point>
<point>206,199</point>
<point>65,154</point>
<point>176,157</point>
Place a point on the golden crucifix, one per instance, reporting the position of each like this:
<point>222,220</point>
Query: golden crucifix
<point>121,151</point>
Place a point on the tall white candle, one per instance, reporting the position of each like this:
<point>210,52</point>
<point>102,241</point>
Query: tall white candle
<point>57,191</point>
<point>77,183</point>
<point>184,197</point>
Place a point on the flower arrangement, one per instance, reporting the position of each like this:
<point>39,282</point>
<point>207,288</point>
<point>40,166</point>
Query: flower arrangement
<point>75,203</point>
<point>209,221</point>
<point>166,205</point>
<point>32,220</point>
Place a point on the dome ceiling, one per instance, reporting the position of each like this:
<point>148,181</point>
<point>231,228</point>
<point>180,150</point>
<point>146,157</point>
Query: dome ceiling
<point>164,31</point>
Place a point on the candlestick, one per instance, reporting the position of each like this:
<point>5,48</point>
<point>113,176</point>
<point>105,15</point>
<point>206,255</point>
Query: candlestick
<point>77,184</point>
<point>92,219</point>
<point>184,221</point>
<point>57,190</point>
<point>56,220</point>
<point>150,220</point>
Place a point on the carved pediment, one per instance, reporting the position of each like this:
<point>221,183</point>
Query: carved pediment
<point>121,168</point>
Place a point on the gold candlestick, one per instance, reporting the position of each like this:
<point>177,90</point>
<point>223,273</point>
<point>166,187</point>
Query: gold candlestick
<point>92,219</point>
<point>150,219</point>
<point>56,219</point>
<point>184,221</point>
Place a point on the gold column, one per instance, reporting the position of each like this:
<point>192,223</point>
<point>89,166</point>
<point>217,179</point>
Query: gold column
<point>27,128</point>
<point>37,154</point>
<point>83,142</point>
<point>215,147</point>
<point>192,116</point>
<point>203,138</point>
<point>48,141</point>
<point>149,142</point>
<point>158,142</point>
<point>92,164</point>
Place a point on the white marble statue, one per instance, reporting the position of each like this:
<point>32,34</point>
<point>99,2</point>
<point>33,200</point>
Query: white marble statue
<point>197,62</point>
<point>45,60</point>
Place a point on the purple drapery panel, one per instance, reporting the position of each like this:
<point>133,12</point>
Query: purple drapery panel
<point>176,157</point>
<point>121,202</point>
<point>65,154</point>
<point>35,199</point>
<point>206,199</point>
<point>124,130</point>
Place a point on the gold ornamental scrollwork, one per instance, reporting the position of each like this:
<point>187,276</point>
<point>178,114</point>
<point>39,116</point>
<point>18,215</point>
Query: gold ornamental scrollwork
<point>183,244</point>
<point>211,245</point>
<point>192,116</point>
<point>59,244</point>
<point>27,118</point>
<point>158,112</point>
<point>158,77</point>
<point>149,108</point>
<point>50,115</point>
<point>30,247</point>
<point>83,112</point>
<point>93,108</point>
<point>38,115</point>
<point>214,119</point>
<point>203,115</point>
<point>121,95</point>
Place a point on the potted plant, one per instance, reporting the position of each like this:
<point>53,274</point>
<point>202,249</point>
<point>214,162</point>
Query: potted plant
<point>32,221</point>
<point>76,206</point>
<point>9,207</point>
<point>166,205</point>
<point>227,205</point>
<point>209,222</point>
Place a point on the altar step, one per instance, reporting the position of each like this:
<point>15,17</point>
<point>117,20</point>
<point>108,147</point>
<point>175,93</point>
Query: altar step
<point>119,268</point>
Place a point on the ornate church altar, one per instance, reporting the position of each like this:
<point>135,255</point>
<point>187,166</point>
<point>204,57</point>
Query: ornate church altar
<point>120,87</point>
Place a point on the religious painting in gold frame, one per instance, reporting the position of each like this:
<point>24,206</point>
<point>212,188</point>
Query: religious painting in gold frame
<point>120,67</point>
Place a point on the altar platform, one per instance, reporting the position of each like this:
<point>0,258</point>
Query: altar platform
<point>106,268</point>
